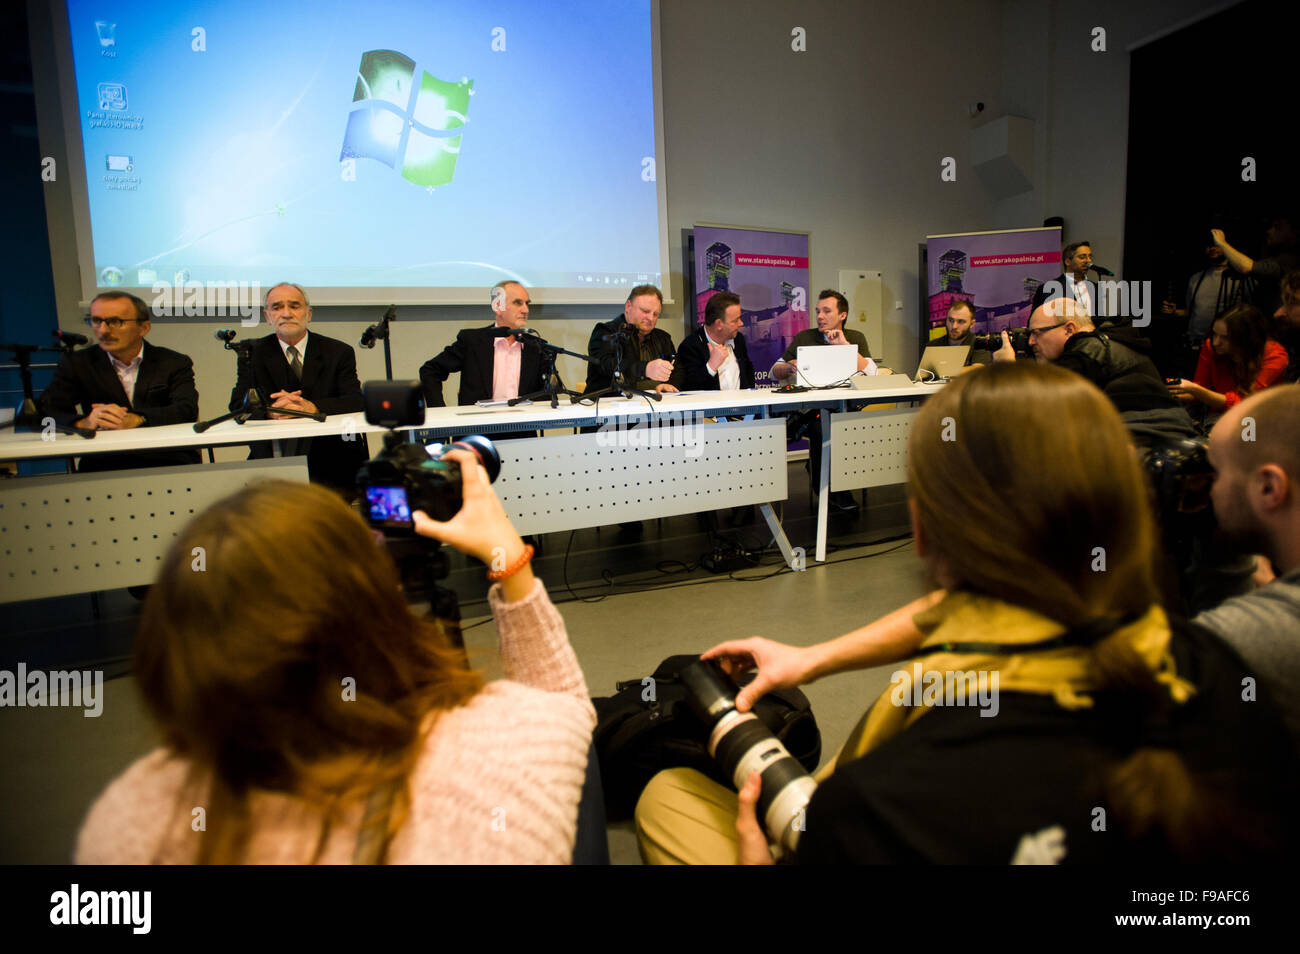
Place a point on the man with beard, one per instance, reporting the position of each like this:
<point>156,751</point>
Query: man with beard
<point>1255,452</point>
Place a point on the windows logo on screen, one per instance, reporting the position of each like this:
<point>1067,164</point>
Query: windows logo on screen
<point>414,129</point>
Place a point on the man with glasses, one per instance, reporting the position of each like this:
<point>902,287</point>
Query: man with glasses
<point>1073,282</point>
<point>123,383</point>
<point>1115,360</point>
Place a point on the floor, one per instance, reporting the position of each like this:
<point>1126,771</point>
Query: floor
<point>653,601</point>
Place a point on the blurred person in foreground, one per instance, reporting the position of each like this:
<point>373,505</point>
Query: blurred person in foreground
<point>1105,713</point>
<point>315,719</point>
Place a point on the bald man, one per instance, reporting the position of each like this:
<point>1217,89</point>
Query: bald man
<point>1115,359</point>
<point>1255,452</point>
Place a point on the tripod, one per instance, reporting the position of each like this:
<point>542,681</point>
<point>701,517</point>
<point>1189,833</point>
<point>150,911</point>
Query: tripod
<point>552,384</point>
<point>619,383</point>
<point>253,405</point>
<point>28,415</point>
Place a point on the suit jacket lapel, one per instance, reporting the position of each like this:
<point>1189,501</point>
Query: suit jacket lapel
<point>312,365</point>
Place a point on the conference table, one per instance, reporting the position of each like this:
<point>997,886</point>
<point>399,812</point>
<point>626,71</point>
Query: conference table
<point>624,460</point>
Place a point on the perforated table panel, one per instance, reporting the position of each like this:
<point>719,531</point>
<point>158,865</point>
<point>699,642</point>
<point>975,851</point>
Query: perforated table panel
<point>621,474</point>
<point>869,449</point>
<point>76,533</point>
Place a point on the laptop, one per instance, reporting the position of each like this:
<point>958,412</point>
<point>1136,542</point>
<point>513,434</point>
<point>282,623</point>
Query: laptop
<point>821,366</point>
<point>942,362</point>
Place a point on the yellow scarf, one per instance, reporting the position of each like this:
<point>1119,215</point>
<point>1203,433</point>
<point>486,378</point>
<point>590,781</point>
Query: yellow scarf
<point>1066,674</point>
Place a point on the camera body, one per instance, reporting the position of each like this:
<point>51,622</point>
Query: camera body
<point>1019,341</point>
<point>406,477</point>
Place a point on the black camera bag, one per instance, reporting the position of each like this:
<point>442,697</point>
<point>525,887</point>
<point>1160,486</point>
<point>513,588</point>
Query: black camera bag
<point>639,732</point>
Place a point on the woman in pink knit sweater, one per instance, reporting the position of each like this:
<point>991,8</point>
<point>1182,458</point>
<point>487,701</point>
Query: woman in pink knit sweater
<point>309,716</point>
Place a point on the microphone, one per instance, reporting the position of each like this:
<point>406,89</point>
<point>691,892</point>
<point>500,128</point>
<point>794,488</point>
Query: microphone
<point>368,337</point>
<point>500,331</point>
<point>1101,270</point>
<point>71,339</point>
<point>225,334</point>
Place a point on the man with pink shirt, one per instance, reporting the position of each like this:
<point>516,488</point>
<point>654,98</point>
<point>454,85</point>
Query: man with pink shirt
<point>491,366</point>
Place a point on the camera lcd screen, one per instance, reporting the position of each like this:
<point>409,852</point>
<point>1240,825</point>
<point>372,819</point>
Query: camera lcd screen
<point>387,506</point>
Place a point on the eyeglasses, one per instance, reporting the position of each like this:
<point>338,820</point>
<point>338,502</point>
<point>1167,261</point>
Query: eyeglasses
<point>113,324</point>
<point>1034,332</point>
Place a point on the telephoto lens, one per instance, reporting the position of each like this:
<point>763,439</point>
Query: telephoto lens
<point>742,744</point>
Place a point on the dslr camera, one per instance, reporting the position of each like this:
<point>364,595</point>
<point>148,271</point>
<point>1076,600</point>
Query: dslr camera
<point>406,477</point>
<point>1019,341</point>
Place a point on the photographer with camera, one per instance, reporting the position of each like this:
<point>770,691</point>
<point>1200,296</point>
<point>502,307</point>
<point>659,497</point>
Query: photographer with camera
<point>1114,359</point>
<point>1100,707</point>
<point>309,716</point>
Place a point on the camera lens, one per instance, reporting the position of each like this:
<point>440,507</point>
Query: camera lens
<point>742,744</point>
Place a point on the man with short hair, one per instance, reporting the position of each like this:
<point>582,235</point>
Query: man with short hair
<point>832,312</point>
<point>303,371</point>
<point>1073,282</point>
<point>493,364</point>
<point>123,383</point>
<point>633,345</point>
<point>1255,452</point>
<point>714,357</point>
<point>961,331</point>
<point>1115,360</point>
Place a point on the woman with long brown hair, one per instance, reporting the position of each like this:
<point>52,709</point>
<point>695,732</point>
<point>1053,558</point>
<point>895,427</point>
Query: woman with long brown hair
<point>307,715</point>
<point>1238,359</point>
<point>1087,728</point>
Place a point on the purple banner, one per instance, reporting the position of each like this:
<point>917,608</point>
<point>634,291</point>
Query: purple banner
<point>998,272</point>
<point>769,271</point>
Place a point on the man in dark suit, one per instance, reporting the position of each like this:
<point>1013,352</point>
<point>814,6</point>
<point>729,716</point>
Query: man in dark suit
<point>1072,283</point>
<point>305,372</point>
<point>633,344</point>
<point>491,366</point>
<point>124,383</point>
<point>714,357</point>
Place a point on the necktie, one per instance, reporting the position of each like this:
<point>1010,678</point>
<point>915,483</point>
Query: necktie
<point>295,363</point>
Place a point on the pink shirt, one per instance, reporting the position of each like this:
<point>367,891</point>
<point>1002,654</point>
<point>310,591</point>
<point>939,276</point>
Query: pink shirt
<point>127,373</point>
<point>506,360</point>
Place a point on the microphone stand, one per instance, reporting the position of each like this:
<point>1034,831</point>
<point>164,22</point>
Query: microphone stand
<point>380,332</point>
<point>619,383</point>
<point>552,384</point>
<point>28,415</point>
<point>253,405</point>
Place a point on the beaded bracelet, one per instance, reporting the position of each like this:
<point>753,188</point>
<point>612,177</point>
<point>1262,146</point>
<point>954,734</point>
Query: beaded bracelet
<point>496,576</point>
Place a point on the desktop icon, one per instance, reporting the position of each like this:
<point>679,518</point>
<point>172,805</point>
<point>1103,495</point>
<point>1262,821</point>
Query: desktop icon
<point>119,163</point>
<point>107,33</point>
<point>145,276</point>
<point>112,96</point>
<point>110,277</point>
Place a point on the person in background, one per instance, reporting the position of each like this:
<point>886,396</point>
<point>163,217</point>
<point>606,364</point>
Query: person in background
<point>1237,360</point>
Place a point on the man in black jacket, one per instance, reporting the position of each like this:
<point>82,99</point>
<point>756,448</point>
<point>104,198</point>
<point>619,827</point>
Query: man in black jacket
<point>1115,359</point>
<point>1072,283</point>
<point>305,372</point>
<point>714,356</point>
<point>123,383</point>
<point>491,366</point>
<point>633,345</point>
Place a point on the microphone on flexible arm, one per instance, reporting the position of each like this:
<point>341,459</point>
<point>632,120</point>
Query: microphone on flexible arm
<point>501,331</point>
<point>1100,269</point>
<point>70,339</point>
<point>225,334</point>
